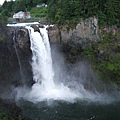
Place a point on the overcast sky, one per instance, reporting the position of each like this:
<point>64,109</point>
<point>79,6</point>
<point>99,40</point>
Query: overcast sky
<point>2,1</point>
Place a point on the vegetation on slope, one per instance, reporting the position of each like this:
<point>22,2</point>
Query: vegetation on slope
<point>39,13</point>
<point>70,11</point>
<point>67,11</point>
<point>105,57</point>
<point>9,111</point>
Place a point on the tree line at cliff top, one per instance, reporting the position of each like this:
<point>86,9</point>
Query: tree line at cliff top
<point>69,11</point>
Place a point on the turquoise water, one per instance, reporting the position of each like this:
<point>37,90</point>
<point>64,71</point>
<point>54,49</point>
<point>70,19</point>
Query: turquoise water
<point>82,110</point>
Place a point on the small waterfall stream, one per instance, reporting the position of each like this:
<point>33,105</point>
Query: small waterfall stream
<point>18,57</point>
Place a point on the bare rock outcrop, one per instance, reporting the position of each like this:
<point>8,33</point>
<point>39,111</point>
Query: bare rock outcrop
<point>85,32</point>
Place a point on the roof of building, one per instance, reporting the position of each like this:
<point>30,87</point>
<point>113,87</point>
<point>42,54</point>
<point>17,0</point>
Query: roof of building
<point>22,14</point>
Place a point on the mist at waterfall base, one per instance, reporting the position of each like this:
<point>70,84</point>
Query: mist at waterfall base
<point>64,91</point>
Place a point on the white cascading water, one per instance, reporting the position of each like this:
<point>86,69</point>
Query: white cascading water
<point>43,74</point>
<point>41,58</point>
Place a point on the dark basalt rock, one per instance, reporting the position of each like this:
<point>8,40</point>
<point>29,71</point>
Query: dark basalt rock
<point>9,65</point>
<point>36,28</point>
<point>23,48</point>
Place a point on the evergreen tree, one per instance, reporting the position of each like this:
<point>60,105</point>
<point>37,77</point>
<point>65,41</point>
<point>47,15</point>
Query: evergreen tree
<point>112,11</point>
<point>4,12</point>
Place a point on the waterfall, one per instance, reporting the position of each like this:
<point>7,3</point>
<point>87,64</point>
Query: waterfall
<point>41,58</point>
<point>43,73</point>
<point>18,57</point>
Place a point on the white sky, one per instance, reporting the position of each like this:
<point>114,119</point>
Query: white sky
<point>2,1</point>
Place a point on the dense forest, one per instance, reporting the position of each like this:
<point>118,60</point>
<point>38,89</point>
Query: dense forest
<point>106,10</point>
<point>69,11</point>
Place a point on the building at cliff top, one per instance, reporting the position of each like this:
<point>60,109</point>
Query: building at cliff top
<point>21,15</point>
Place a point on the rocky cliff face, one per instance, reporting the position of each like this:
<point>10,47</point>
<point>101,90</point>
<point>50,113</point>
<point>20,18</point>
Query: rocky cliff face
<point>9,64</point>
<point>85,32</point>
<point>22,41</point>
<point>74,40</point>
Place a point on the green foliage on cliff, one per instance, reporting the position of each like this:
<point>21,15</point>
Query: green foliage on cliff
<point>72,51</point>
<point>104,55</point>
<point>4,116</point>
<point>38,12</point>
<point>3,19</point>
<point>1,37</point>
